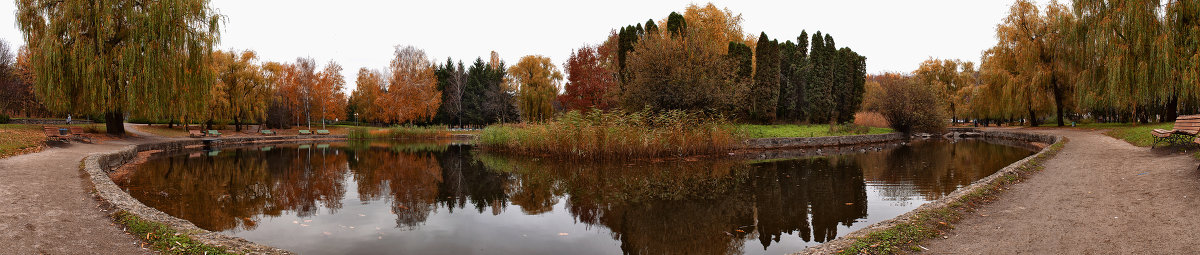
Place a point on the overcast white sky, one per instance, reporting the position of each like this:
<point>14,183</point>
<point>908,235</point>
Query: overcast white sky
<point>894,35</point>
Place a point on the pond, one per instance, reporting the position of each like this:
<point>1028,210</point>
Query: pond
<point>445,198</point>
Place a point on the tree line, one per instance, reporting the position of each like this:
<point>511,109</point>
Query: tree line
<point>157,63</point>
<point>703,61</point>
<point>1109,61</point>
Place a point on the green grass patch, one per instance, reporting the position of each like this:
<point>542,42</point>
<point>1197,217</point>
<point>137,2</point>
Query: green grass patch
<point>906,236</point>
<point>162,238</point>
<point>1136,134</point>
<point>818,130</point>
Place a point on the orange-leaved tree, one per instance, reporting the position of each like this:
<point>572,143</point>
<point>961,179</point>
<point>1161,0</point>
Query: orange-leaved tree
<point>328,99</point>
<point>412,92</point>
<point>367,97</point>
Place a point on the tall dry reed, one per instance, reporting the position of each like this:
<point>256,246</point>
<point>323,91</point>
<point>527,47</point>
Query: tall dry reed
<point>616,135</point>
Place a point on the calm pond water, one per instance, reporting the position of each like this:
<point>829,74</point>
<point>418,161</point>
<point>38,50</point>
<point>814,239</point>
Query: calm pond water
<point>387,198</point>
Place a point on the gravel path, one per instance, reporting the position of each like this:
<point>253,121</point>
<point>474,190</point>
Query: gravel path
<point>1098,196</point>
<point>45,207</point>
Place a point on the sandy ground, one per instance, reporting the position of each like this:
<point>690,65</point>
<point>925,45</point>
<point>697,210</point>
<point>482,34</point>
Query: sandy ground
<point>1100,195</point>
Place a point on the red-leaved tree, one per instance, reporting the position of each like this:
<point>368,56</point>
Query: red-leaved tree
<point>589,79</point>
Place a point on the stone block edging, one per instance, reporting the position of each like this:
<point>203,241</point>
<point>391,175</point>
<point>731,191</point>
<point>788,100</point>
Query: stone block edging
<point>843,242</point>
<point>99,165</point>
<point>828,141</point>
<point>49,121</point>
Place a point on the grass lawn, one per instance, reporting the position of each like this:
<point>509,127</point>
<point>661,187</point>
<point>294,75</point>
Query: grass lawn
<point>1138,134</point>
<point>161,130</point>
<point>16,139</point>
<point>19,139</point>
<point>819,130</point>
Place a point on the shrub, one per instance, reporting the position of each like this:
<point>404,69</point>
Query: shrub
<point>4,118</point>
<point>870,119</point>
<point>406,131</point>
<point>358,133</point>
<point>616,135</point>
<point>909,107</point>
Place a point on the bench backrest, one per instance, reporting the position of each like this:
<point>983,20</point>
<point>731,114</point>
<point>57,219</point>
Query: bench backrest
<point>267,132</point>
<point>323,132</point>
<point>305,132</point>
<point>76,130</point>
<point>1187,123</point>
<point>214,132</point>
<point>50,131</point>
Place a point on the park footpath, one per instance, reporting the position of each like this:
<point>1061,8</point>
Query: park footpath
<point>1099,195</point>
<point>46,205</point>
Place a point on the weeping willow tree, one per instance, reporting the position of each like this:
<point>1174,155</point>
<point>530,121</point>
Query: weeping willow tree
<point>1120,40</point>
<point>1024,68</point>
<point>1181,51</point>
<point>148,58</point>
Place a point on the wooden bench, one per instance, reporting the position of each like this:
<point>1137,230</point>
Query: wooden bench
<point>77,134</point>
<point>322,132</point>
<point>213,133</point>
<point>195,133</point>
<point>1186,128</point>
<point>267,132</point>
<point>55,134</point>
<point>305,132</point>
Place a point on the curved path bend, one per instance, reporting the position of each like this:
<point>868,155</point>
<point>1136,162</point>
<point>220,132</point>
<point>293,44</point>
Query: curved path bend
<point>1100,195</point>
<point>46,206</point>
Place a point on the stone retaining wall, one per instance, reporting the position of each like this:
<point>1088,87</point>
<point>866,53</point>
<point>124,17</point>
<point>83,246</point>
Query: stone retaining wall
<point>48,121</point>
<point>843,242</point>
<point>99,165</point>
<point>830,141</point>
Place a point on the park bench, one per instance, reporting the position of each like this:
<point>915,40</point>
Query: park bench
<point>77,134</point>
<point>322,132</point>
<point>213,133</point>
<point>195,133</point>
<point>55,134</point>
<point>305,132</point>
<point>1186,128</point>
<point>267,132</point>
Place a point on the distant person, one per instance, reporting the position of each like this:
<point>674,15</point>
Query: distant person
<point>68,119</point>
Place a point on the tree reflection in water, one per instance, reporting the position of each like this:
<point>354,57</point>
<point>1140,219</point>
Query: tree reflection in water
<point>700,207</point>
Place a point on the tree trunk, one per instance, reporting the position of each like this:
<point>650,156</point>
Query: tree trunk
<point>953,118</point>
<point>237,124</point>
<point>1058,105</point>
<point>1172,109</point>
<point>114,122</point>
<point>1032,118</point>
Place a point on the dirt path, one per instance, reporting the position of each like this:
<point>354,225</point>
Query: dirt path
<point>1098,196</point>
<point>46,209</point>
